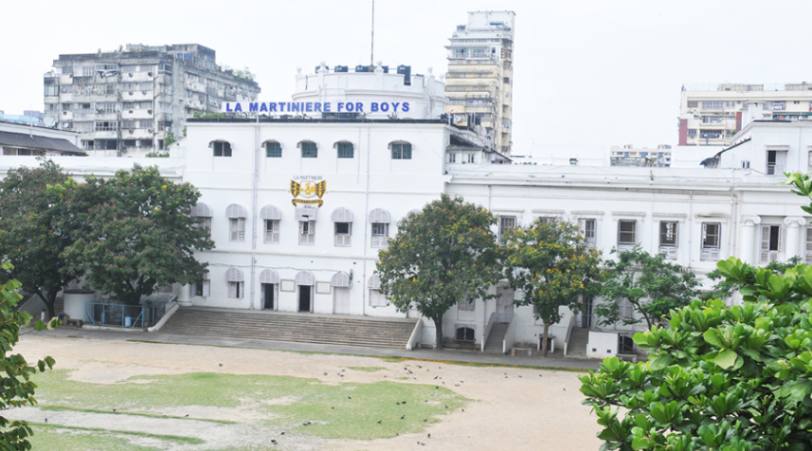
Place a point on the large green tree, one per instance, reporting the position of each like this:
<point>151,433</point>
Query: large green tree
<point>649,283</point>
<point>16,387</point>
<point>442,255</point>
<point>719,377</point>
<point>551,265</point>
<point>134,232</point>
<point>33,235</point>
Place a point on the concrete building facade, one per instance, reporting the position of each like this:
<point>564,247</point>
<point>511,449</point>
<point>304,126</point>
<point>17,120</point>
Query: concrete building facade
<point>714,114</point>
<point>131,100</point>
<point>479,81</point>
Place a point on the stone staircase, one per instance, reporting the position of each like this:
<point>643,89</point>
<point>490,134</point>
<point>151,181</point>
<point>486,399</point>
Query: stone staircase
<point>292,327</point>
<point>494,342</point>
<point>578,341</point>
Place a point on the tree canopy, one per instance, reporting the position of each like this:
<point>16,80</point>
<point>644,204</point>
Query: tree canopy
<point>16,387</point>
<point>33,236</point>
<point>134,232</point>
<point>551,265</point>
<point>650,284</point>
<point>719,377</point>
<point>442,255</point>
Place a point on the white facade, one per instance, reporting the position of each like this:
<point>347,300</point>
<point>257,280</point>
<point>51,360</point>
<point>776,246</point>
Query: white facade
<point>381,85</point>
<point>264,257</point>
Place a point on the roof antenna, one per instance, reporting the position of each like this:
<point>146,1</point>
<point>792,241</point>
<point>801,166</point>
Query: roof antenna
<point>372,37</point>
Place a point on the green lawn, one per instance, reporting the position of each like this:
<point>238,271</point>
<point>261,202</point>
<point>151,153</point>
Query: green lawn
<point>297,405</point>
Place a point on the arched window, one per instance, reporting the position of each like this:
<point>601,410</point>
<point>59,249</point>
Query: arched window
<point>202,215</point>
<point>345,149</point>
<point>272,149</point>
<point>236,222</point>
<point>220,148</point>
<point>236,283</point>
<point>401,150</point>
<point>342,222</point>
<point>309,149</point>
<point>379,220</point>
<point>465,334</point>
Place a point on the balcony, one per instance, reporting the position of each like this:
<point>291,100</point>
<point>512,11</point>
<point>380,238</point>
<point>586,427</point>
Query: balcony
<point>709,254</point>
<point>137,133</point>
<point>139,113</point>
<point>136,95</point>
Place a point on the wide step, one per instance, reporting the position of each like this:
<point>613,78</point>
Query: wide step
<point>302,328</point>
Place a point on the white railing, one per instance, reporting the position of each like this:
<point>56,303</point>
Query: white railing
<point>669,252</point>
<point>487,332</point>
<point>417,334</point>
<point>570,326</point>
<point>343,239</point>
<point>510,338</point>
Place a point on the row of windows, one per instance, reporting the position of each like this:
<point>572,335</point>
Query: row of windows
<point>307,231</point>
<point>399,150</point>
<point>236,290</point>
<point>627,235</point>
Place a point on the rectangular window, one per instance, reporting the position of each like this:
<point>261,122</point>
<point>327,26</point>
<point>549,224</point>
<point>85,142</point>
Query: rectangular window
<point>589,230</point>
<point>668,233</point>
<point>309,149</point>
<point>506,224</point>
<point>307,232</point>
<point>221,149</point>
<point>776,162</point>
<point>273,149</point>
<point>626,232</point>
<point>271,231</point>
<point>235,290</point>
<point>202,286</point>
<point>343,233</point>
<point>711,241</point>
<point>345,150</point>
<point>770,243</point>
<point>236,229</point>
<point>713,104</point>
<point>401,151</point>
<point>380,234</point>
<point>809,244</point>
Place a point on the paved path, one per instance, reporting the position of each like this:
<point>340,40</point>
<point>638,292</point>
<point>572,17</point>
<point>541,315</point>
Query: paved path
<point>422,354</point>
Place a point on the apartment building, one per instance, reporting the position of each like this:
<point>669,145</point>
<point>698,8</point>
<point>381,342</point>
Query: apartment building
<point>479,82</point>
<point>135,99</point>
<point>629,155</point>
<point>712,115</point>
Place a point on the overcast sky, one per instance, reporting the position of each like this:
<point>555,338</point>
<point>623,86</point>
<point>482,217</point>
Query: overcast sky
<point>588,74</point>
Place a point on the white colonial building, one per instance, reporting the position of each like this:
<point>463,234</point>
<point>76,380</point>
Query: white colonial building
<point>299,207</point>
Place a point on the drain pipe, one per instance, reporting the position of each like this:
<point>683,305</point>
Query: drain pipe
<point>254,188</point>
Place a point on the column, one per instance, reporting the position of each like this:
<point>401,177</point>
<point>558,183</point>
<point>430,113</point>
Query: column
<point>794,226</point>
<point>184,295</point>
<point>748,243</point>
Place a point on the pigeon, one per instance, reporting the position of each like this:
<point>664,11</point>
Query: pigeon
<point>186,416</point>
<point>220,365</point>
<point>306,423</point>
<point>46,419</point>
<point>349,397</point>
<point>403,417</point>
<point>114,410</point>
<point>428,435</point>
<point>325,373</point>
<point>282,433</point>
<point>273,441</point>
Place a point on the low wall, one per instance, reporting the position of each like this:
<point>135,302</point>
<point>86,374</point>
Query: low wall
<point>601,344</point>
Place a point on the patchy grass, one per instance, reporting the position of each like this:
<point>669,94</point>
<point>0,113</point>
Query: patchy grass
<point>347,410</point>
<point>58,408</point>
<point>71,438</point>
<point>366,369</point>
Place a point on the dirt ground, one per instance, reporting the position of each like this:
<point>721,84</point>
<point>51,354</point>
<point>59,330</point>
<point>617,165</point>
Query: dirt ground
<point>509,408</point>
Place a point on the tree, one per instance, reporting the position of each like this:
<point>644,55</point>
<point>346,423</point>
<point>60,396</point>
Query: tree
<point>719,377</point>
<point>551,265</point>
<point>442,255</point>
<point>135,233</point>
<point>16,387</point>
<point>649,283</point>
<point>32,233</point>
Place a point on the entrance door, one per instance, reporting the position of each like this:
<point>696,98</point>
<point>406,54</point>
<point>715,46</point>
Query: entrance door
<point>268,293</point>
<point>504,306</point>
<point>342,300</point>
<point>305,297</point>
<point>586,313</point>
